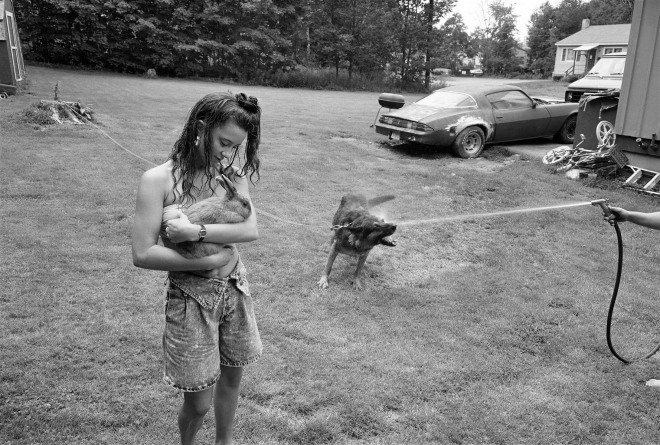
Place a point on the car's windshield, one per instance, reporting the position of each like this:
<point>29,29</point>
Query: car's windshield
<point>448,99</point>
<point>608,67</point>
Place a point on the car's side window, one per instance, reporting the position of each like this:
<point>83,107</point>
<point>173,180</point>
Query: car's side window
<point>509,99</point>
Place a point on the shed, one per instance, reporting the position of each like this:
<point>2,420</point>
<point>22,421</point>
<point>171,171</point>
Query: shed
<point>12,68</point>
<point>637,123</point>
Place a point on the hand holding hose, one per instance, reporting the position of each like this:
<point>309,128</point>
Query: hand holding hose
<point>617,214</point>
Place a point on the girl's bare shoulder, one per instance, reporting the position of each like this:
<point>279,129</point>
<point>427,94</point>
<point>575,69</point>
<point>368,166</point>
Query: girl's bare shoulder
<point>159,174</point>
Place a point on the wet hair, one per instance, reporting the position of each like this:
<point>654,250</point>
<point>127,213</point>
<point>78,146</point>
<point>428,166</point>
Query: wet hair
<point>210,111</point>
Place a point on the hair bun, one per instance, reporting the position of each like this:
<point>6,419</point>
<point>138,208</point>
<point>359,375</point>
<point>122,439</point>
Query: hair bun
<point>249,103</point>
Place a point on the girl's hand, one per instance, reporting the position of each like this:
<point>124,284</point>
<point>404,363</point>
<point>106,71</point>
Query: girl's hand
<point>180,229</point>
<point>618,215</point>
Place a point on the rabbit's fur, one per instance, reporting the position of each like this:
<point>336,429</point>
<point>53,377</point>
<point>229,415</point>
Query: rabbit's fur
<point>232,208</point>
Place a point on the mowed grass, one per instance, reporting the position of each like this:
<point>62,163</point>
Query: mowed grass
<point>485,330</point>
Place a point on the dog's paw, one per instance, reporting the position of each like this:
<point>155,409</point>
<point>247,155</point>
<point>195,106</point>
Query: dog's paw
<point>323,282</point>
<point>357,284</point>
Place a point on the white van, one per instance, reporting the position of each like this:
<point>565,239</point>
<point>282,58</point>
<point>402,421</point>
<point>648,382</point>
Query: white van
<point>606,74</point>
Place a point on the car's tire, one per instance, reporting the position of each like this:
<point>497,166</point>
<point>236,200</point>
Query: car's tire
<point>469,143</point>
<point>566,133</point>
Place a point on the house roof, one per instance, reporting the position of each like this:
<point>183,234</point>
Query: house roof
<point>600,35</point>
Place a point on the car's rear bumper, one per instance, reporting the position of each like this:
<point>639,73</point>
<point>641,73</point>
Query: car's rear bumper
<point>402,134</point>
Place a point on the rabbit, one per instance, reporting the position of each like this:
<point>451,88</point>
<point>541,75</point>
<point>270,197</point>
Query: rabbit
<point>231,208</point>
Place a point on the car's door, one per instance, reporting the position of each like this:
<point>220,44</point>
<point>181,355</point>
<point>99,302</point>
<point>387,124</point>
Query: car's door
<point>517,116</point>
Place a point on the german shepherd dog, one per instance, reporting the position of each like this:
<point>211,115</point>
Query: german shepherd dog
<point>356,232</point>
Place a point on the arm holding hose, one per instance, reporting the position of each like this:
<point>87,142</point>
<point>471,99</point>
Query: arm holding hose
<point>650,220</point>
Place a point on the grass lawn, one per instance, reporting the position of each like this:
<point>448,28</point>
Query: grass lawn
<point>470,331</point>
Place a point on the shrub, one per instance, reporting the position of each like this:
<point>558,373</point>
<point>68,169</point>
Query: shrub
<point>330,79</point>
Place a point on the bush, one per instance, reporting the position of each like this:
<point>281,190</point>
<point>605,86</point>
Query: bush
<point>329,79</point>
<point>572,78</point>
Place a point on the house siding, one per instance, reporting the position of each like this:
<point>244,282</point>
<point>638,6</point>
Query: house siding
<point>562,66</point>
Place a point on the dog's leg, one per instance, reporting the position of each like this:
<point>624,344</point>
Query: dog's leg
<point>357,283</point>
<point>323,282</point>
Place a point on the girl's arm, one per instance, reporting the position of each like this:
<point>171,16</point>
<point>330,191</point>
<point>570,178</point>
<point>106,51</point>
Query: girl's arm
<point>243,232</point>
<point>147,253</point>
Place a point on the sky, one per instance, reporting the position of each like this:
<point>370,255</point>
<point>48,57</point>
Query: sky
<point>473,12</point>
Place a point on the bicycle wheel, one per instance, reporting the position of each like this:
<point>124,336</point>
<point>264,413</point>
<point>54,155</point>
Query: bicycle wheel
<point>605,134</point>
<point>556,155</point>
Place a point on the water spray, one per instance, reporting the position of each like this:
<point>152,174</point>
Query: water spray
<point>491,214</point>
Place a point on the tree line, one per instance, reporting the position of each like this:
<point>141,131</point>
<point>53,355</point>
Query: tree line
<point>256,40</point>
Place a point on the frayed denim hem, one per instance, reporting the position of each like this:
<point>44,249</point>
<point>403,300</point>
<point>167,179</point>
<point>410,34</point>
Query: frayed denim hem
<point>169,382</point>
<point>241,364</point>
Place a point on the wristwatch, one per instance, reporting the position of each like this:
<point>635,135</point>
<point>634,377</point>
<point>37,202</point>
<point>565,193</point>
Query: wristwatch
<point>202,233</point>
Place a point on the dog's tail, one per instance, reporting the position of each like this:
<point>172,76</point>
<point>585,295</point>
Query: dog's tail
<point>379,200</point>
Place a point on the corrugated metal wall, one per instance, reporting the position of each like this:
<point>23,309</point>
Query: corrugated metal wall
<point>639,104</point>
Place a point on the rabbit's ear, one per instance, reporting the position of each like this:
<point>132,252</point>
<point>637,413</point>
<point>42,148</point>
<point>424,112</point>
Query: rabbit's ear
<point>227,185</point>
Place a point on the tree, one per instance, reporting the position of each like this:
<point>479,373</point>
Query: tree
<point>496,41</point>
<point>435,10</point>
<point>454,44</point>
<point>568,16</point>
<point>542,38</point>
<point>609,12</point>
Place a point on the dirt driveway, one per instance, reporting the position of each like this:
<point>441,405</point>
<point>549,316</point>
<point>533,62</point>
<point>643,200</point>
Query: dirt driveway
<point>535,149</point>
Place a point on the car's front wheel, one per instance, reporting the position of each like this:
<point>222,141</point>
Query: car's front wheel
<point>566,133</point>
<point>469,143</point>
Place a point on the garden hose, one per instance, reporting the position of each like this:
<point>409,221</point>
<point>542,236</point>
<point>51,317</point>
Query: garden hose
<point>608,330</point>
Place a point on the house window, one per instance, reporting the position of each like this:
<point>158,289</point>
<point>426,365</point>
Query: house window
<point>611,50</point>
<point>567,54</point>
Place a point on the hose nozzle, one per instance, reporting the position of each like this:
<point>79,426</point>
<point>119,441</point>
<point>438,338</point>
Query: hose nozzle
<point>603,205</point>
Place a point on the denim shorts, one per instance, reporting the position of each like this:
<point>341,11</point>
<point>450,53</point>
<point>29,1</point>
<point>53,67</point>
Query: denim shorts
<point>208,322</point>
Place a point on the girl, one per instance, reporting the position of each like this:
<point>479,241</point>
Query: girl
<point>210,328</point>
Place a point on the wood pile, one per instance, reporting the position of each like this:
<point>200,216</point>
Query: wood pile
<point>68,112</point>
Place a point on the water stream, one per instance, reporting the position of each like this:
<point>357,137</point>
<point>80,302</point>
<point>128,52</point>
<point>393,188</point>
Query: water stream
<point>487,215</point>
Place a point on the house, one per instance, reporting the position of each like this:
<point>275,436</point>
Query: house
<point>12,68</point>
<point>577,53</point>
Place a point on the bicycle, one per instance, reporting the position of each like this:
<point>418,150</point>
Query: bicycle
<point>604,160</point>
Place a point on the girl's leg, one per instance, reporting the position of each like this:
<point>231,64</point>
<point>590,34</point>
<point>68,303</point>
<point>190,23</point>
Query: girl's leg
<point>226,400</point>
<point>192,412</point>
